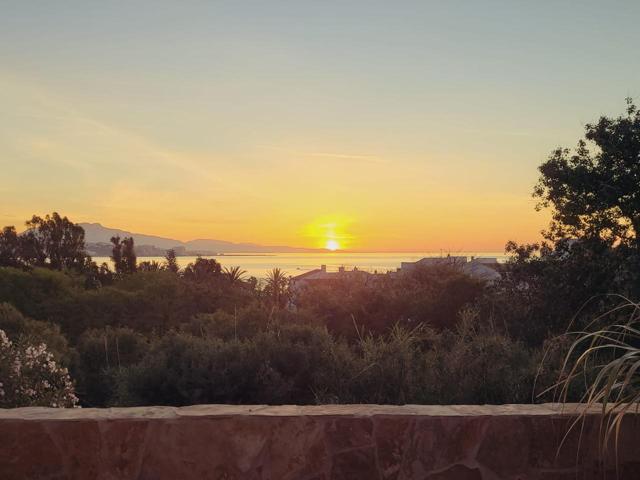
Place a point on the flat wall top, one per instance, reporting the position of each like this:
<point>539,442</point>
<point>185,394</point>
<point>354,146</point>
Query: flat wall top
<point>42,413</point>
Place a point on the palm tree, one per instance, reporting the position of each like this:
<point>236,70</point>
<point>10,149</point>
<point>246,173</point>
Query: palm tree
<point>234,274</point>
<point>277,286</point>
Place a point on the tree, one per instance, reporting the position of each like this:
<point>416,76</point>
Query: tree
<point>53,241</point>
<point>171,261</point>
<point>129,255</point>
<point>594,193</point>
<point>124,255</point>
<point>97,276</point>
<point>150,266</point>
<point>116,254</point>
<point>203,270</point>
<point>277,288</point>
<point>9,248</point>
<point>31,250</point>
<point>234,274</point>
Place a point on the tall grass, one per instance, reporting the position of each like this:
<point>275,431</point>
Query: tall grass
<point>604,360</point>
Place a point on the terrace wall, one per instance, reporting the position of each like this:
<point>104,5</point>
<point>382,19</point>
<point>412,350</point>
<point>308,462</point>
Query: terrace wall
<point>221,442</point>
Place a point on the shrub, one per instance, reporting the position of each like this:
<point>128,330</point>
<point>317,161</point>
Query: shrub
<point>29,376</point>
<point>480,365</point>
<point>101,354</point>
<point>285,363</point>
<point>24,329</point>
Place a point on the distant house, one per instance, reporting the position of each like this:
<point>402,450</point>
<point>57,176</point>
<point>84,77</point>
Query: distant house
<point>321,276</point>
<point>432,262</point>
<point>483,268</point>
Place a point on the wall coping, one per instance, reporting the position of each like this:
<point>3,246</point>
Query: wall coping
<point>360,410</point>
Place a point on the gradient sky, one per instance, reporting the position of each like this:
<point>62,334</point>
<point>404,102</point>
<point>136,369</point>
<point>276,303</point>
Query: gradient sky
<point>405,125</point>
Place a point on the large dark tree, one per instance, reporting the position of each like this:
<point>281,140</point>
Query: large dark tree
<point>55,241</point>
<point>592,245</point>
<point>203,270</point>
<point>594,191</point>
<point>9,247</point>
<point>123,255</point>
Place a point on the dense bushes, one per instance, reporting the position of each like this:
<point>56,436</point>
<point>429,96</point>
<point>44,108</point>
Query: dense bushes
<point>155,337</point>
<point>240,358</point>
<point>100,357</point>
<point>145,301</point>
<point>278,366</point>
<point>428,295</point>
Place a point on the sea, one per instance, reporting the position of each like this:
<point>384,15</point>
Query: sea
<point>258,264</point>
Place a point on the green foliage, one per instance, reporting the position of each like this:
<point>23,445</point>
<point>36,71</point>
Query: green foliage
<point>543,287</point>
<point>431,295</point>
<point>591,248</point>
<point>59,241</point>
<point>157,337</point>
<point>203,270</point>
<point>481,365</point>
<point>593,193</point>
<point>171,261</point>
<point>389,368</point>
<point>19,328</point>
<point>52,241</point>
<point>234,274</point>
<point>123,255</point>
<point>101,356</point>
<point>30,376</point>
<point>10,248</point>
<point>277,291</point>
<point>603,362</point>
<point>38,293</point>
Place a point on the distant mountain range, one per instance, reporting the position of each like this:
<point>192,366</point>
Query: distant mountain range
<point>96,234</point>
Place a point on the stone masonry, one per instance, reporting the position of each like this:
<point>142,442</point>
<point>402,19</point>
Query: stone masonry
<point>223,442</point>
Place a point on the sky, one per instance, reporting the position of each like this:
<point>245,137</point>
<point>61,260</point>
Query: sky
<point>373,125</point>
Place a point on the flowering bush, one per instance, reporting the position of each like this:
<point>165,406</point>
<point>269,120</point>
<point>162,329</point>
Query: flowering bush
<point>29,376</point>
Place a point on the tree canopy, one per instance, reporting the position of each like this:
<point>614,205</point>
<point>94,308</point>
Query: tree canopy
<point>594,191</point>
<point>53,241</point>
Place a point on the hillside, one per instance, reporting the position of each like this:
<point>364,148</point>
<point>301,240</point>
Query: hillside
<point>96,233</point>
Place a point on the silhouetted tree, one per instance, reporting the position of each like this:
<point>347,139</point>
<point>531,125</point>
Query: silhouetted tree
<point>116,254</point>
<point>277,288</point>
<point>171,261</point>
<point>592,246</point>
<point>31,250</point>
<point>234,274</point>
<point>203,270</point>
<point>595,193</point>
<point>54,241</point>
<point>150,266</point>
<point>123,255</point>
<point>9,248</point>
<point>97,276</point>
<point>129,258</point>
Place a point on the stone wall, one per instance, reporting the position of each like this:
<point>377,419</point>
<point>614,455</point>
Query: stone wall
<point>221,442</point>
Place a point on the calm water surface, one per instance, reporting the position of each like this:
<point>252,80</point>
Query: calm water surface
<point>258,265</point>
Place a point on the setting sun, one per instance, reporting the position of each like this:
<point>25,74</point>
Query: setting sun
<point>332,245</point>
<point>329,232</point>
